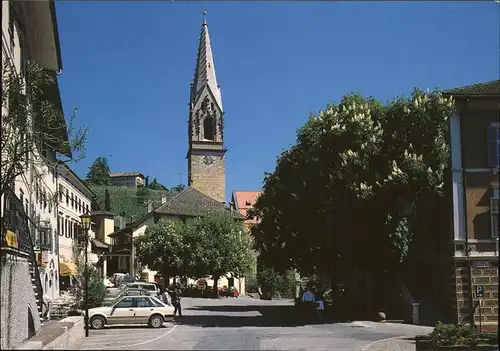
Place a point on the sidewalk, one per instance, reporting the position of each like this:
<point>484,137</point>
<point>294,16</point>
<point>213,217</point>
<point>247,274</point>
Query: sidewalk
<point>402,343</point>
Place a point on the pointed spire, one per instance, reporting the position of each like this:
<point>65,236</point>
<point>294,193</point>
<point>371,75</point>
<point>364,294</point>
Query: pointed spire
<point>205,69</point>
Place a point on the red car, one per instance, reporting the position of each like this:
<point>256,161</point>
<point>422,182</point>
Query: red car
<point>231,292</point>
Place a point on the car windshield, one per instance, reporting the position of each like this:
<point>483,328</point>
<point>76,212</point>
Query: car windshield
<point>157,302</point>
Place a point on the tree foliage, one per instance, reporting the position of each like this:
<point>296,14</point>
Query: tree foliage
<point>214,245</point>
<point>162,248</point>
<point>217,245</point>
<point>107,201</point>
<point>98,173</point>
<point>356,170</point>
<point>31,122</point>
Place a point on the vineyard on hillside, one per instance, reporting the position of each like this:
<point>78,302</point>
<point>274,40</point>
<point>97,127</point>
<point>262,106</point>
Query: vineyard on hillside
<point>128,201</point>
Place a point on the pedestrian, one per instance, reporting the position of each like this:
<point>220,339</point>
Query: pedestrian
<point>165,297</point>
<point>46,307</point>
<point>176,300</point>
<point>320,305</point>
<point>309,302</point>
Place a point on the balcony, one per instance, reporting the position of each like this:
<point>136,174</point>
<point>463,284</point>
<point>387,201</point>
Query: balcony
<point>15,231</point>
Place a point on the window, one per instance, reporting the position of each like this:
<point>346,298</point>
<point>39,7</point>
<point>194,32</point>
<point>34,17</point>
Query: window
<point>72,201</point>
<point>75,230</point>
<point>494,211</point>
<point>143,302</point>
<point>208,128</point>
<point>494,145</point>
<point>67,197</point>
<point>21,195</point>
<point>157,302</point>
<point>61,191</point>
<point>126,302</point>
<point>59,225</point>
<point>87,208</point>
<point>66,229</point>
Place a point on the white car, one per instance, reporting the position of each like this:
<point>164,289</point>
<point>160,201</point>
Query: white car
<point>131,310</point>
<point>107,283</point>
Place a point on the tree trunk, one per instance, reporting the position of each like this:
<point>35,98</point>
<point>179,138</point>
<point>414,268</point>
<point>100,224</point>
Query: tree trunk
<point>216,290</point>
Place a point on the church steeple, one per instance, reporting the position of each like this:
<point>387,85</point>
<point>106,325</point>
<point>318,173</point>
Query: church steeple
<point>206,152</point>
<point>204,75</point>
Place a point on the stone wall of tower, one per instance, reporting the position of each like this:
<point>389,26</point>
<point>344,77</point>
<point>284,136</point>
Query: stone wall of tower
<point>210,180</point>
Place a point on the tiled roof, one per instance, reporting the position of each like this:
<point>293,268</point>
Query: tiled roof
<point>126,174</point>
<point>193,203</point>
<point>486,88</point>
<point>244,200</point>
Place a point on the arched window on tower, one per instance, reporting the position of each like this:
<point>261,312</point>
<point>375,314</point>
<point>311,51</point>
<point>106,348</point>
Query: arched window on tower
<point>208,128</point>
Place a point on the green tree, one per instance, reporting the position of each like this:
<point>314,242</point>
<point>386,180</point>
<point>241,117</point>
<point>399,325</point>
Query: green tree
<point>142,195</point>
<point>107,201</point>
<point>32,122</point>
<point>355,158</point>
<point>162,248</point>
<point>98,173</point>
<point>218,245</point>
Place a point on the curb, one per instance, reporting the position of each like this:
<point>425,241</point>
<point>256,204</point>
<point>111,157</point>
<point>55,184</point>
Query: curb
<point>372,344</point>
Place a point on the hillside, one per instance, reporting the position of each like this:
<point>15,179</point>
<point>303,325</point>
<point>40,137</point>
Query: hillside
<point>126,200</point>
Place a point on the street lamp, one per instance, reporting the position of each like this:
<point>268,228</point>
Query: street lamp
<point>86,220</point>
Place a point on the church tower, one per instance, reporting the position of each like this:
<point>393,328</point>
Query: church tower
<point>206,152</point>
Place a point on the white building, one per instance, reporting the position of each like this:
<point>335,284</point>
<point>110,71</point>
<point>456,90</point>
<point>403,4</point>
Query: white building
<point>29,32</point>
<point>74,200</point>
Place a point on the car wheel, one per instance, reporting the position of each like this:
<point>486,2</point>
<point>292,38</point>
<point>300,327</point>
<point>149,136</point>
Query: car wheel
<point>97,322</point>
<point>156,321</point>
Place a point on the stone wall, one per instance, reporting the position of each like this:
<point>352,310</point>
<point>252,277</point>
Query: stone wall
<point>17,299</point>
<point>211,179</point>
<point>487,312</point>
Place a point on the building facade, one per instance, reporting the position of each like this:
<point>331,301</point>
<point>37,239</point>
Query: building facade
<point>242,201</point>
<point>475,148</point>
<point>29,216</point>
<point>206,151</point>
<point>129,180</point>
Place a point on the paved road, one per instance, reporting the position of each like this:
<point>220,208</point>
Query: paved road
<point>247,324</point>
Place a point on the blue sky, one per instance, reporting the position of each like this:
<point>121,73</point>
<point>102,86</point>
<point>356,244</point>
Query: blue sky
<point>128,66</point>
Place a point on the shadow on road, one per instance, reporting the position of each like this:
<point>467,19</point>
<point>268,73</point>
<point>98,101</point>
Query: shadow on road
<point>271,316</point>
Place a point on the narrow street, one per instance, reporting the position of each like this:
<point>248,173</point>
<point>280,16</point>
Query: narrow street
<point>246,324</point>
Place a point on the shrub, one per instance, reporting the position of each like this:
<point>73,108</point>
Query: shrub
<point>454,335</point>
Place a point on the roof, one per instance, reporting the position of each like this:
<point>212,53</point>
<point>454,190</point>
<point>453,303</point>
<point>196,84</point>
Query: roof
<point>62,168</point>
<point>193,203</point>
<point>244,200</point>
<point>204,75</point>
<point>126,174</point>
<point>102,213</point>
<point>485,88</point>
<point>99,244</point>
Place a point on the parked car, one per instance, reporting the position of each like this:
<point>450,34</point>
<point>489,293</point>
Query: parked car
<point>151,287</point>
<point>229,292</point>
<point>110,299</point>
<point>132,310</point>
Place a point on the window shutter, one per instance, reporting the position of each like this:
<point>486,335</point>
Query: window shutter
<point>493,146</point>
<point>494,217</point>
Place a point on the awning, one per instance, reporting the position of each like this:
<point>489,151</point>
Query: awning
<point>98,244</point>
<point>67,269</point>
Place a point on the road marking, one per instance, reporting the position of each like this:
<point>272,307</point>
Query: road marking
<point>157,338</point>
<point>367,347</point>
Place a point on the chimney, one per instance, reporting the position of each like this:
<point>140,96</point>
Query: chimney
<point>122,222</point>
<point>150,206</point>
<point>163,199</point>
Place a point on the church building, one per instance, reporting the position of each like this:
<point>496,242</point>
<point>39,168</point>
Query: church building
<point>206,172</point>
<point>206,151</point>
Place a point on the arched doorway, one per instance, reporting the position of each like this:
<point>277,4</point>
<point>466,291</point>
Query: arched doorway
<point>31,324</point>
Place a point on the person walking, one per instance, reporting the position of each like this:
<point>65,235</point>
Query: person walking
<point>176,300</point>
<point>309,302</point>
<point>320,305</point>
